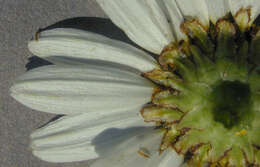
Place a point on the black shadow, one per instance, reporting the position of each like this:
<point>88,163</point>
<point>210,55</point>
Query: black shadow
<point>53,119</point>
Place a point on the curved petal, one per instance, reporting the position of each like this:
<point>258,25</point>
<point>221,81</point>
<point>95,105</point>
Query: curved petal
<point>194,9</point>
<point>140,150</point>
<point>217,9</point>
<point>176,18</point>
<point>73,43</point>
<point>90,88</point>
<point>171,159</point>
<point>142,20</point>
<point>71,138</point>
<point>236,5</point>
<point>66,153</point>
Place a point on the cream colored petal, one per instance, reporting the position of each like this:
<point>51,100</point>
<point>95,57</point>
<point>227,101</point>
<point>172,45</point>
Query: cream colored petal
<point>134,151</point>
<point>171,159</point>
<point>140,150</point>
<point>142,20</point>
<point>236,5</point>
<point>79,89</point>
<point>76,138</point>
<point>66,153</point>
<point>194,9</point>
<point>99,120</point>
<point>176,18</point>
<point>73,43</point>
<point>217,9</point>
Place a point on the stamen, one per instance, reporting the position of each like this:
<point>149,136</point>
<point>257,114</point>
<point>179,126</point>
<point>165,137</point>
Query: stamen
<point>241,133</point>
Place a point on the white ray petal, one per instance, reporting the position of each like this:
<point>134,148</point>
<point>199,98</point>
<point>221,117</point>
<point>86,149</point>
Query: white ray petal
<point>140,150</point>
<point>176,18</point>
<point>83,127</point>
<point>142,20</point>
<point>170,159</point>
<point>73,43</point>
<point>90,88</point>
<point>236,5</point>
<point>76,138</point>
<point>194,9</point>
<point>67,153</point>
<point>217,9</point>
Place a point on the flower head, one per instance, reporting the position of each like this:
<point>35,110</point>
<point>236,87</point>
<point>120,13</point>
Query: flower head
<point>200,98</point>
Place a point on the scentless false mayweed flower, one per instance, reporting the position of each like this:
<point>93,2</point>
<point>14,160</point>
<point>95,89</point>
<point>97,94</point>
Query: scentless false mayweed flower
<point>199,99</point>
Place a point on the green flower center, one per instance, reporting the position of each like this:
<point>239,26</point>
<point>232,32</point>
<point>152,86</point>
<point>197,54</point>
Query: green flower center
<point>207,95</point>
<point>232,104</point>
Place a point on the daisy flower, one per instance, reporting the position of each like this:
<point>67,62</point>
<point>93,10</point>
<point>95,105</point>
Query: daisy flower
<point>197,103</point>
